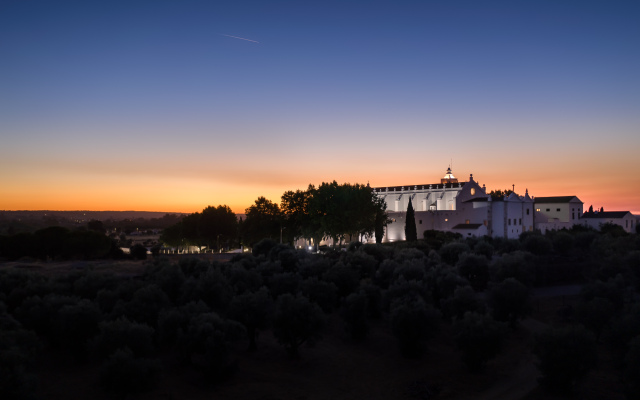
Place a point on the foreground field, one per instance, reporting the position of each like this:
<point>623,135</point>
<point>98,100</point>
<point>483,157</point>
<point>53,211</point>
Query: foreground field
<point>188,308</point>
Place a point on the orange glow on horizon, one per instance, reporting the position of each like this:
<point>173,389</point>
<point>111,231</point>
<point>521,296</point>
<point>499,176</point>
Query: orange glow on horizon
<point>193,195</point>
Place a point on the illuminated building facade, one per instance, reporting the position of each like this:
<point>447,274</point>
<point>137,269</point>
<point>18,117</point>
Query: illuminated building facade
<point>466,208</point>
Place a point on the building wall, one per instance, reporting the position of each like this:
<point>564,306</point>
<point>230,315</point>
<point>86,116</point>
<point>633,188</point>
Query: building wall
<point>434,197</point>
<point>558,212</point>
<point>628,222</point>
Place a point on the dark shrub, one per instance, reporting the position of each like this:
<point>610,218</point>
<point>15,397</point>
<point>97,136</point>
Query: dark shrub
<point>263,247</point>
<point>566,355</point>
<point>138,252</point>
<point>324,294</point>
<point>122,333</point>
<point>297,321</point>
<point>413,322</point>
<point>479,338</point>
<point>354,314</point>
<point>124,374</point>
<point>475,269</point>
<point>509,301</point>
<point>206,345</point>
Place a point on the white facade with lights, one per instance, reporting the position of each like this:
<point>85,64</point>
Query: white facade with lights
<point>466,208</point>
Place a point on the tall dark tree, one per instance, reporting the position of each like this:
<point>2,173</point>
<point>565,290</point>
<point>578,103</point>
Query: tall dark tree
<point>264,221</point>
<point>295,211</point>
<point>347,211</point>
<point>410,229</point>
<point>217,227</point>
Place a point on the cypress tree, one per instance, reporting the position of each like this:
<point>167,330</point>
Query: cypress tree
<point>410,230</point>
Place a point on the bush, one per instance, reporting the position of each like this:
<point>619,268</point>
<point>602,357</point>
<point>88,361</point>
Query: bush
<point>324,294</point>
<point>254,311</point>
<point>138,252</point>
<point>475,269</point>
<point>124,374</point>
<point>464,300</point>
<point>174,322</point>
<point>297,321</point>
<point>632,370</point>
<point>451,252</point>
<point>263,247</point>
<point>121,333</point>
<point>537,244</point>
<point>479,338</point>
<point>413,322</point>
<point>566,355</point>
<point>144,307</point>
<point>518,265</point>
<point>509,301</point>
<point>595,314</point>
<point>206,345</point>
<point>484,248</point>
<point>17,348</point>
<point>77,324</point>
<point>345,278</point>
<point>354,315</point>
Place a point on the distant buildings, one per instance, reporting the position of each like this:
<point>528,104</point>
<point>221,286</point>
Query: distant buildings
<point>466,208</point>
<point>595,219</point>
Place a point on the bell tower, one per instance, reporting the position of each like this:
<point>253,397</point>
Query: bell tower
<point>449,178</point>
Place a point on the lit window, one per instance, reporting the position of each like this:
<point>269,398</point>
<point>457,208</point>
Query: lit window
<point>446,219</point>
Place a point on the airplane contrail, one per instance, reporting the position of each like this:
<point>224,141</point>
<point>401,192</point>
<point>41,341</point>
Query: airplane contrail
<point>241,38</point>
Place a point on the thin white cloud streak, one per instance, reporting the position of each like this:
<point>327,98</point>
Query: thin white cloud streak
<point>241,38</point>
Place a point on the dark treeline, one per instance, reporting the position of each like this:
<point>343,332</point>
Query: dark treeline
<point>86,242</point>
<point>13,222</point>
<point>196,315</point>
<point>58,243</point>
<point>341,212</point>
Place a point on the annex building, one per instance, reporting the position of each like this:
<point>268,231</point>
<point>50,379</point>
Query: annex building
<point>466,208</point>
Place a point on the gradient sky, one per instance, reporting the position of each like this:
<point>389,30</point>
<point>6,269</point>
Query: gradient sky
<point>153,105</point>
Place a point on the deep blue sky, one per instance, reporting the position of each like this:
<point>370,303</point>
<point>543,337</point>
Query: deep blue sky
<point>98,96</point>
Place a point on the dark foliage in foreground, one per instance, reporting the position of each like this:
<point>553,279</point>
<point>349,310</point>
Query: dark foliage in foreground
<point>197,315</point>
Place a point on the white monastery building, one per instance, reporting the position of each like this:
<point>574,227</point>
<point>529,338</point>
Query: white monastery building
<point>466,208</point>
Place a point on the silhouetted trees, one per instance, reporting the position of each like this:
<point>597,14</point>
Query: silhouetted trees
<point>187,313</point>
<point>213,228</point>
<point>264,221</point>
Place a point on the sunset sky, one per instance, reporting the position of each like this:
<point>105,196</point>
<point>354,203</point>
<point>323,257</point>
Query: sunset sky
<point>176,105</point>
